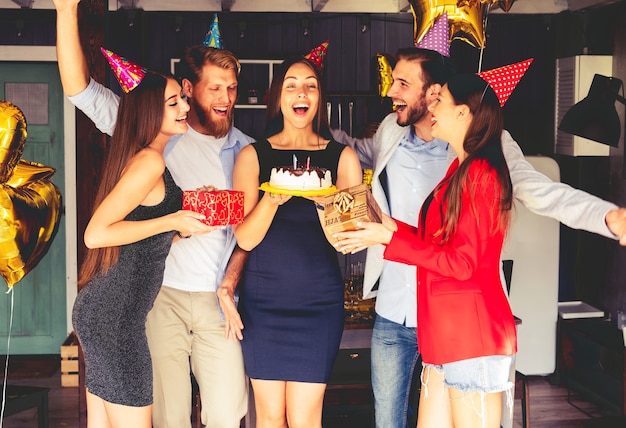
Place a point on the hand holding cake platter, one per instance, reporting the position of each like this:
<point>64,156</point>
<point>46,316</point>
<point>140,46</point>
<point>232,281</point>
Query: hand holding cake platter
<point>300,180</point>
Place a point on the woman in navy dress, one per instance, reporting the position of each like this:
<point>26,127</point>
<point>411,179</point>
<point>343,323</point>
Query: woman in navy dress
<point>291,299</point>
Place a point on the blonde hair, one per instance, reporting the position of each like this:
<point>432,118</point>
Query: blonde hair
<point>196,57</point>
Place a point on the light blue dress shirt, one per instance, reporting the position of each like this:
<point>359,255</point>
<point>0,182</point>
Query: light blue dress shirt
<point>413,171</point>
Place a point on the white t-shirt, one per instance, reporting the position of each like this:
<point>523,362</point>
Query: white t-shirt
<point>194,264</point>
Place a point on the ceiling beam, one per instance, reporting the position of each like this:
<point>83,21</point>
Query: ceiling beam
<point>534,7</point>
<point>28,4</point>
<point>343,6</point>
<point>360,6</point>
<point>575,5</point>
<point>168,5</point>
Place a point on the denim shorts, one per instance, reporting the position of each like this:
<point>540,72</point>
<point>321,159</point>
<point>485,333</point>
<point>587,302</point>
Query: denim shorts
<point>482,374</point>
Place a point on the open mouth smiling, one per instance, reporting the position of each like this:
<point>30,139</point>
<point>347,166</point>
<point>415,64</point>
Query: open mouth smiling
<point>221,111</point>
<point>300,108</point>
<point>399,105</point>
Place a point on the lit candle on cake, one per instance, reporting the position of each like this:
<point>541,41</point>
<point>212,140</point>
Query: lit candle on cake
<point>295,162</point>
<point>308,162</point>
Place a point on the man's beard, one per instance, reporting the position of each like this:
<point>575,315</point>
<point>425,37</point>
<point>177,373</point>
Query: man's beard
<point>414,113</point>
<point>216,128</point>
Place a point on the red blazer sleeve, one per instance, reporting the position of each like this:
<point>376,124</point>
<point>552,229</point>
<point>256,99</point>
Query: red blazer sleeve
<point>459,257</point>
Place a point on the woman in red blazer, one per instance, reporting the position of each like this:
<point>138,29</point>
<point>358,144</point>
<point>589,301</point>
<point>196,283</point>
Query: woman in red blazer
<point>466,330</point>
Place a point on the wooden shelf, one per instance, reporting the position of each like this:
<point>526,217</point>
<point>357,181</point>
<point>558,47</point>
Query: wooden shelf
<point>251,106</point>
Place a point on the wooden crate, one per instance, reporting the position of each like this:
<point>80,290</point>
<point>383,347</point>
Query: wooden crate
<point>69,361</point>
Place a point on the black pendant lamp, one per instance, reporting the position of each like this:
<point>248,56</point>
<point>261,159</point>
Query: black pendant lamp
<point>595,117</point>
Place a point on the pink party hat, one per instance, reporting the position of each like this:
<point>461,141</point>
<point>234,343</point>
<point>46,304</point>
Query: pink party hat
<point>316,56</point>
<point>503,80</point>
<point>128,74</point>
<point>436,38</point>
<point>213,38</point>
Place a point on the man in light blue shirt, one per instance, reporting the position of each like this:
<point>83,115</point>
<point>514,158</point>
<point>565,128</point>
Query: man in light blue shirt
<point>414,169</point>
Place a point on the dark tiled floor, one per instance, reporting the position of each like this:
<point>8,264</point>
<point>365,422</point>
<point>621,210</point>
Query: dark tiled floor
<point>549,407</point>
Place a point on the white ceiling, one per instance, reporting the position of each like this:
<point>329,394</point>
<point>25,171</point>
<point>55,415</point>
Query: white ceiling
<point>344,6</point>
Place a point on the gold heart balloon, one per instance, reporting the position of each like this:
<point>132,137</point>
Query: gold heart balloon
<point>30,204</point>
<point>466,22</point>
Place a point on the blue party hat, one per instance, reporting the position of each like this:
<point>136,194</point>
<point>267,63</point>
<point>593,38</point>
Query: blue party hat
<point>213,39</point>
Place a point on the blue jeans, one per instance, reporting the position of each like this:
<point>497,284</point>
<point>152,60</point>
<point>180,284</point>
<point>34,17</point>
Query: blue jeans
<point>395,357</point>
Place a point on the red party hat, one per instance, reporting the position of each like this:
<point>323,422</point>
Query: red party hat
<point>128,74</point>
<point>503,80</point>
<point>316,56</point>
<point>436,39</point>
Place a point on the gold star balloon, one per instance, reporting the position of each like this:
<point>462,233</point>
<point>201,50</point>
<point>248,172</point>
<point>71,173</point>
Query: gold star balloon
<point>30,204</point>
<point>466,22</point>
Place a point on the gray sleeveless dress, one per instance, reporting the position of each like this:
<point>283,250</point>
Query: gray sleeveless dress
<point>109,315</point>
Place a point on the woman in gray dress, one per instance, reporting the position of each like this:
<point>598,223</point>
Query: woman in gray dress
<point>137,214</point>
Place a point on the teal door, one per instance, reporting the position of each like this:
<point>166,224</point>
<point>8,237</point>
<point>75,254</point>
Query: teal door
<point>38,309</point>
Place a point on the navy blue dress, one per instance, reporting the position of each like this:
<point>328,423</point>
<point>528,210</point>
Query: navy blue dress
<point>109,314</point>
<point>291,298</point>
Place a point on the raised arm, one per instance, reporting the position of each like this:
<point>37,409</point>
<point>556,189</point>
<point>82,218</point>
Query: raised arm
<point>572,207</point>
<point>72,63</point>
<point>96,101</point>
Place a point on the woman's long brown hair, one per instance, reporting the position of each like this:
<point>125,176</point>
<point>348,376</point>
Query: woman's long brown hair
<point>139,120</point>
<point>482,142</point>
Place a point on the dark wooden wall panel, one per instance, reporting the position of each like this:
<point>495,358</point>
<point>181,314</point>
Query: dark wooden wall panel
<point>377,43</point>
<point>161,32</point>
<point>347,43</point>
<point>273,39</point>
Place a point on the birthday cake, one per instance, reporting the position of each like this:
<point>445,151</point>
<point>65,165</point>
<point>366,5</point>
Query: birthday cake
<point>300,178</point>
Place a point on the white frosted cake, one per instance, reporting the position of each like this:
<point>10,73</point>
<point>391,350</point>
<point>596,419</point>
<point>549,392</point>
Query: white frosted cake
<point>312,178</point>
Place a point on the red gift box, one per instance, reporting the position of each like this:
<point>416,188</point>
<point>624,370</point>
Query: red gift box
<point>220,207</point>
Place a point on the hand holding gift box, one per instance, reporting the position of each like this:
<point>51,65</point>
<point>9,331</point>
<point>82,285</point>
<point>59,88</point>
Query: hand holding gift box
<point>220,207</point>
<point>344,209</point>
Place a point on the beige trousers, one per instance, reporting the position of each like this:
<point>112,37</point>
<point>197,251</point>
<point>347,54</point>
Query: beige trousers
<point>186,334</point>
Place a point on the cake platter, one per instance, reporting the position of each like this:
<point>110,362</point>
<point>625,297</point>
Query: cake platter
<point>294,192</point>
